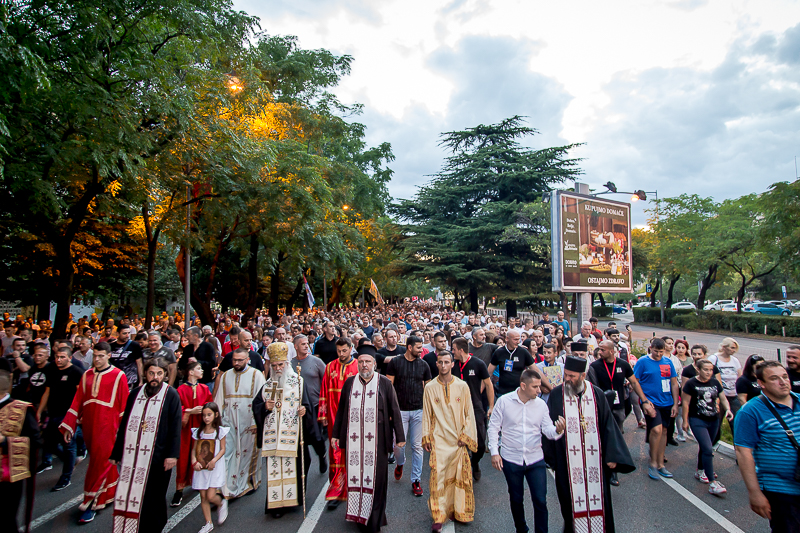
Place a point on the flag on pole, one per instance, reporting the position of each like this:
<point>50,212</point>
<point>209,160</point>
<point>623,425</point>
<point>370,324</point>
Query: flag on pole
<point>373,290</point>
<point>308,294</point>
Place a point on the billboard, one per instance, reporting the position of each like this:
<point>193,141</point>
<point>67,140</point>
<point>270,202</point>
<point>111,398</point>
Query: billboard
<point>591,243</point>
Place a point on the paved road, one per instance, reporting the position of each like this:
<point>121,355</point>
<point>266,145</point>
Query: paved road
<point>641,504</point>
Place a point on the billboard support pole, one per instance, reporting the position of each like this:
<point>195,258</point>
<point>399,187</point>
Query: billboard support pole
<point>584,299</point>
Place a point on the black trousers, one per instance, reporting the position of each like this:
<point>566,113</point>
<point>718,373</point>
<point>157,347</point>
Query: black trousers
<point>154,502</point>
<point>785,512</point>
<point>319,448</point>
<point>481,422</point>
<point>10,496</point>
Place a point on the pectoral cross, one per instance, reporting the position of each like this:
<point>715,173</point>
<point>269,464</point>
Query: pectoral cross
<point>584,424</point>
<point>274,393</point>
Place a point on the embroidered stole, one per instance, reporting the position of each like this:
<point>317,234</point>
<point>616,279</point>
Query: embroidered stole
<point>584,462</point>
<point>362,449</point>
<point>14,466</point>
<point>140,439</point>
<point>281,437</point>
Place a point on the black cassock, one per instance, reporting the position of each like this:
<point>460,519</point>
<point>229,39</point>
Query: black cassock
<point>390,426</point>
<point>153,514</point>
<point>11,493</point>
<point>310,431</point>
<point>612,450</point>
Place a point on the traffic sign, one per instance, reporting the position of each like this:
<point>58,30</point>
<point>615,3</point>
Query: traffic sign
<point>783,288</point>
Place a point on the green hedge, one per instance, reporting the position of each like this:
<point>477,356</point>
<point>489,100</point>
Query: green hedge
<point>601,310</point>
<point>653,314</point>
<point>740,323</point>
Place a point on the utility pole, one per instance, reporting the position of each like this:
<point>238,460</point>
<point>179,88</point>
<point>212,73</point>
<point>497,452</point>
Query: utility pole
<point>583,299</point>
<point>187,306</point>
<point>325,288</point>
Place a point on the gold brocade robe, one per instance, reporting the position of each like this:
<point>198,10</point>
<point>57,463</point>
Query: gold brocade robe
<point>447,418</point>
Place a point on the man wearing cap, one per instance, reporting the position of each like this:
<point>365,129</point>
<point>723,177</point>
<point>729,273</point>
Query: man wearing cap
<point>237,387</point>
<point>592,449</point>
<point>367,422</point>
<point>279,407</point>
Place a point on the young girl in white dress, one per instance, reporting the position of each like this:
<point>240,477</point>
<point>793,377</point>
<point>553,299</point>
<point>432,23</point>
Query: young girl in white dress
<point>208,463</point>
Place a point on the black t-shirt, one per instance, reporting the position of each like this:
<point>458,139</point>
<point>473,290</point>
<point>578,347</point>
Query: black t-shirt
<point>409,381</point>
<point>386,352</point>
<point>473,373</point>
<point>601,370</point>
<point>227,362</point>
<point>511,365</point>
<point>62,384</point>
<point>40,378</point>
<point>124,356</point>
<point>746,385</point>
<point>691,372</point>
<point>794,377</point>
<point>19,381</point>
<point>703,403</point>
<point>430,358</point>
<point>205,354</point>
<point>326,349</point>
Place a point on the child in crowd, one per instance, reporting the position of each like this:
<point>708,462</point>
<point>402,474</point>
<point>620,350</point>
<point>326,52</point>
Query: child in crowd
<point>209,466</point>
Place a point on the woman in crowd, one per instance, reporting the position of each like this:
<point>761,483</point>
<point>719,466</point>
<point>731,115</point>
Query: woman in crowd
<point>747,386</point>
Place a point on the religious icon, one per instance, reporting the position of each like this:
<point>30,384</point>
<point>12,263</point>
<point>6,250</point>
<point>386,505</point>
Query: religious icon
<point>204,453</point>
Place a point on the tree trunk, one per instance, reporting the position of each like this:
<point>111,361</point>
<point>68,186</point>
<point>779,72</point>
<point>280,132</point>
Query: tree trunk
<point>336,289</point>
<point>740,294</point>
<point>43,308</point>
<point>574,306</point>
<point>275,287</point>
<point>563,305</point>
<point>473,299</point>
<point>602,300</point>
<point>252,276</point>
<point>653,294</point>
<point>708,281</point>
<point>66,280</point>
<point>672,283</point>
<point>200,305</point>
<point>293,297</point>
<point>511,308</point>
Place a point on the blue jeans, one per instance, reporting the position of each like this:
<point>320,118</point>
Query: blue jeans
<point>54,445</point>
<point>704,432</point>
<point>536,476</point>
<point>412,426</point>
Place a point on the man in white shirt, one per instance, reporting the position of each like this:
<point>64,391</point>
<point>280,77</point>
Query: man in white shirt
<point>523,417</point>
<point>586,336</point>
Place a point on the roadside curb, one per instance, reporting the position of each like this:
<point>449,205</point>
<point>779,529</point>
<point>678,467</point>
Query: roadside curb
<point>727,450</point>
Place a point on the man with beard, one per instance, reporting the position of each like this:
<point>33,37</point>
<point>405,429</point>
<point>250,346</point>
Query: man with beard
<point>147,448</point>
<point>278,408</point>
<point>234,396</point>
<point>98,404</point>
<point>243,340</point>
<point>449,434</point>
<point>793,367</point>
<point>336,373</point>
<point>592,449</point>
<point>368,409</point>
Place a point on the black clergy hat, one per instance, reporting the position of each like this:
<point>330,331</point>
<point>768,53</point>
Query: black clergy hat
<point>367,349</point>
<point>579,346</point>
<point>575,364</point>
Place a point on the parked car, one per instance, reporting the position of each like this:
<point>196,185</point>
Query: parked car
<point>619,309</point>
<point>729,308</point>
<point>717,306</point>
<point>642,304</point>
<point>779,303</point>
<point>683,305</point>
<point>762,308</point>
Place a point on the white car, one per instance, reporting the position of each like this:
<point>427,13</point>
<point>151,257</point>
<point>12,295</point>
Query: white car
<point>729,308</point>
<point>717,306</point>
<point>683,305</point>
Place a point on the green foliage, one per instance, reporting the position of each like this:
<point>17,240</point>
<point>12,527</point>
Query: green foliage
<point>457,227</point>
<point>653,314</point>
<point>739,323</point>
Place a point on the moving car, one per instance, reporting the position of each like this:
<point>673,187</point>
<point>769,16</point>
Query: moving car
<point>717,306</point>
<point>683,305</point>
<point>619,309</point>
<point>762,308</point>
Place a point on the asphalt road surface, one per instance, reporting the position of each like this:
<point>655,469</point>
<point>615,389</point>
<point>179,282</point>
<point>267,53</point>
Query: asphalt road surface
<point>641,505</point>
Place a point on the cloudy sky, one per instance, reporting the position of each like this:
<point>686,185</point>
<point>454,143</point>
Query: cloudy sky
<point>696,96</point>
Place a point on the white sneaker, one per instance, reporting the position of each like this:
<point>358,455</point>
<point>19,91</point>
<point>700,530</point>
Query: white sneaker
<point>222,514</point>
<point>700,476</point>
<point>680,438</point>
<point>206,528</point>
<point>716,488</point>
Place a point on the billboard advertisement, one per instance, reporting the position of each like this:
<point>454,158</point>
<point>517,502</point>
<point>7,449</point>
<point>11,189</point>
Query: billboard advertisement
<point>591,244</point>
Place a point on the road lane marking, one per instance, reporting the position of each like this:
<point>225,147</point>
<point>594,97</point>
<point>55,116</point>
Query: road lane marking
<point>315,513</point>
<point>726,524</point>
<point>57,511</point>
<point>184,511</point>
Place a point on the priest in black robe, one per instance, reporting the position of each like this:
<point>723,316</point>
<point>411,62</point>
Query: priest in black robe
<point>613,451</point>
<point>390,428</point>
<point>166,448</point>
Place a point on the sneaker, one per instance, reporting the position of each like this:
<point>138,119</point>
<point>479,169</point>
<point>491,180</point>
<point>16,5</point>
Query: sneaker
<point>223,512</point>
<point>177,499</point>
<point>476,474</point>
<point>642,425</point>
<point>206,528</point>
<point>701,476</point>
<point>416,489</point>
<point>663,472</point>
<point>716,488</point>
<point>652,472</point>
<point>391,459</point>
<point>63,483</point>
<point>44,467</point>
<point>398,472</point>
<point>680,438</point>
<point>87,516</point>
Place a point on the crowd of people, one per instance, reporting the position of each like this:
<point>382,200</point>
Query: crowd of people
<point>364,389</point>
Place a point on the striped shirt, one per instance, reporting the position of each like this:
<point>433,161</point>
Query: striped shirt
<point>775,456</point>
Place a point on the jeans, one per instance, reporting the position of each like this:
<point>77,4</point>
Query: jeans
<point>536,476</point>
<point>65,452</point>
<point>412,426</point>
<point>704,432</point>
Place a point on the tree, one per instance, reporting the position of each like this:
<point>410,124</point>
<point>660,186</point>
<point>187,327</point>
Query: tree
<point>781,204</point>
<point>454,226</point>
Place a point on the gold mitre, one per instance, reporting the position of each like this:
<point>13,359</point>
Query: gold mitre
<point>278,352</point>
